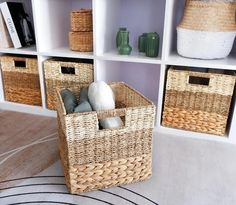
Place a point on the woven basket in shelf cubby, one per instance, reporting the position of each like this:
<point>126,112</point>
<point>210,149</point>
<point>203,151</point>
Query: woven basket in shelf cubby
<point>198,101</point>
<point>81,41</point>
<point>81,20</point>
<point>21,80</point>
<point>65,73</point>
<point>207,29</point>
<point>93,158</point>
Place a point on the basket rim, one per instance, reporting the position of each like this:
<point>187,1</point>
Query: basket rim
<point>82,11</point>
<point>232,72</point>
<point>179,28</point>
<point>69,60</point>
<point>151,104</point>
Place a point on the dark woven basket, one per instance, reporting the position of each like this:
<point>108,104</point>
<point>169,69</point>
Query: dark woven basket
<point>21,80</point>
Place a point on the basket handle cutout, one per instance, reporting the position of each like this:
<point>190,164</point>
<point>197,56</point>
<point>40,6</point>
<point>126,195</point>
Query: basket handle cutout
<point>198,80</point>
<point>20,63</point>
<point>112,113</point>
<point>68,70</point>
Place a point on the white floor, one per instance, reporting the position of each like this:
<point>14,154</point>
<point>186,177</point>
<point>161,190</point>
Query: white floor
<point>185,172</point>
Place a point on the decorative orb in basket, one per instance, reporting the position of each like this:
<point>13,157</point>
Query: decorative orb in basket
<point>207,29</point>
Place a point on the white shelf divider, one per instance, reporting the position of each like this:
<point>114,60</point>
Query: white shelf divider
<point>228,63</point>
<point>67,53</point>
<point>31,50</point>
<point>52,23</point>
<point>168,28</point>
<point>41,79</point>
<point>135,57</point>
<point>232,127</point>
<point>105,27</point>
<point>161,95</point>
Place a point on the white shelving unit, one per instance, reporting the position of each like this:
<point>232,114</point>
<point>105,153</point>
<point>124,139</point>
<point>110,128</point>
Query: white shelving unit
<point>52,23</point>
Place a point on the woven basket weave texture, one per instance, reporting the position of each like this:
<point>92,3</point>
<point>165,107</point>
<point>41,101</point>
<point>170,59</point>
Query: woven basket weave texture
<point>81,41</point>
<point>212,16</point>
<point>81,20</point>
<point>93,158</point>
<point>21,83</point>
<point>197,107</point>
<point>54,77</point>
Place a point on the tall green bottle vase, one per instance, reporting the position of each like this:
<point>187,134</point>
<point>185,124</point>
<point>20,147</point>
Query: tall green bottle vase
<point>152,44</point>
<point>118,36</point>
<point>124,48</point>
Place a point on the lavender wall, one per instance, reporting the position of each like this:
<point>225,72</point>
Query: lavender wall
<point>142,16</point>
<point>143,77</point>
<point>78,4</point>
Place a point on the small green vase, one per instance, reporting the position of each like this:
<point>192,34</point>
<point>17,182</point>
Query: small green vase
<point>152,44</point>
<point>118,38</point>
<point>124,48</point>
<point>142,42</point>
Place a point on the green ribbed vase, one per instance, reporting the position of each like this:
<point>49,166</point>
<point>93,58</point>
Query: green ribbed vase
<point>152,44</point>
<point>124,48</point>
<point>118,37</point>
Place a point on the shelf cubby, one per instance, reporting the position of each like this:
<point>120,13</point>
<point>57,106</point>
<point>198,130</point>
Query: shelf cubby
<point>29,50</point>
<point>143,77</point>
<point>137,15</point>
<point>54,25</point>
<point>227,137</point>
<point>174,16</point>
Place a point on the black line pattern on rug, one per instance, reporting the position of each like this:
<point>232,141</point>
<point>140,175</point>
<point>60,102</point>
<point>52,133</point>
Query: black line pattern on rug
<point>27,185</point>
<point>42,202</point>
<point>61,193</point>
<point>118,196</point>
<point>138,194</point>
<point>35,177</point>
<point>32,177</point>
<point>58,184</point>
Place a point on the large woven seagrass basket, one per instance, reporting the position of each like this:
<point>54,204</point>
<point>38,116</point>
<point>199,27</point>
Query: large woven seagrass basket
<point>61,72</point>
<point>94,158</point>
<point>21,80</point>
<point>198,101</point>
<point>207,29</point>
